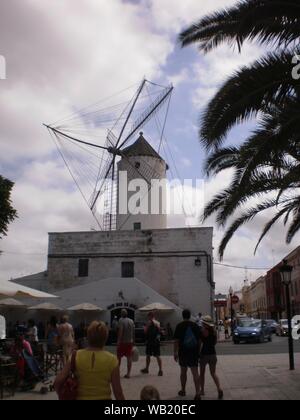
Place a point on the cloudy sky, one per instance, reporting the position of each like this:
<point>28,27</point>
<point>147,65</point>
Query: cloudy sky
<point>65,53</point>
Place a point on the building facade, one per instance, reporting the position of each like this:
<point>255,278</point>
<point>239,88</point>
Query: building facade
<point>294,260</point>
<point>258,299</point>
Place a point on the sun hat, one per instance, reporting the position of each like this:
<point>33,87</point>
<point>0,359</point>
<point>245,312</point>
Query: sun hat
<point>207,320</point>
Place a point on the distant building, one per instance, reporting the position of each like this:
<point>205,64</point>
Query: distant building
<point>258,299</point>
<point>247,299</point>
<point>237,308</point>
<point>294,260</point>
<point>275,294</point>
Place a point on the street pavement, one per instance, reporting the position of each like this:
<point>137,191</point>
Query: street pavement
<point>243,377</point>
<point>279,345</point>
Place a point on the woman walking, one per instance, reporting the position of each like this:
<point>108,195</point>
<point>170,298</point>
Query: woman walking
<point>208,355</point>
<point>66,338</point>
<point>96,370</point>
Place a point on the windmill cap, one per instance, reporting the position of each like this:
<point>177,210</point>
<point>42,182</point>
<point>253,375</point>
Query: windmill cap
<point>141,148</point>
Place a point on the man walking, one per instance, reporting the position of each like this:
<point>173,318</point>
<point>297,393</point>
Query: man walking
<point>187,350</point>
<point>152,333</point>
<point>126,339</point>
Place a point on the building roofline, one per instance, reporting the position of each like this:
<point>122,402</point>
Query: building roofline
<point>136,232</point>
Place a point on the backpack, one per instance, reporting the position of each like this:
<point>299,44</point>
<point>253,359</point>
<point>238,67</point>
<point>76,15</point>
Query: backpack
<point>153,333</point>
<point>190,342</point>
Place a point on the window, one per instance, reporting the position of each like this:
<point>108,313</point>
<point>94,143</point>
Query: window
<point>137,226</point>
<point>127,269</point>
<point>83,268</point>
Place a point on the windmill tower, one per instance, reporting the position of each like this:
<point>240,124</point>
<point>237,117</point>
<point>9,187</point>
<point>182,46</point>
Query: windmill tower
<point>141,188</point>
<point>96,162</point>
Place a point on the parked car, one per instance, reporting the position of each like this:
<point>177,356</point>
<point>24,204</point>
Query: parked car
<point>250,330</point>
<point>273,325</point>
<point>283,328</point>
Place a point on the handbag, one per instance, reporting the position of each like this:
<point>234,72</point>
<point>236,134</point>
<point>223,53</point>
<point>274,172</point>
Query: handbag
<point>69,389</point>
<point>135,354</point>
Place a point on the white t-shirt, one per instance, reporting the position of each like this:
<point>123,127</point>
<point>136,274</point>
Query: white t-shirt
<point>127,327</point>
<point>33,335</point>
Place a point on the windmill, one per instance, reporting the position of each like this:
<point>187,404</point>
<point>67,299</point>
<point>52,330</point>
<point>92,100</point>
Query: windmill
<point>93,140</point>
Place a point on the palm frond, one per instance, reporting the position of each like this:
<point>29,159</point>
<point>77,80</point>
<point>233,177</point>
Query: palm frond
<point>243,219</point>
<point>294,226</point>
<point>221,159</point>
<point>265,21</point>
<point>270,224</point>
<point>249,91</point>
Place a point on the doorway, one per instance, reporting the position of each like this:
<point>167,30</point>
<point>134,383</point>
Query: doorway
<point>117,313</point>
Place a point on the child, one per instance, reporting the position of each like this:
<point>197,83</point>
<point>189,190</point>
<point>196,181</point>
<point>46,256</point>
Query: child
<point>149,393</point>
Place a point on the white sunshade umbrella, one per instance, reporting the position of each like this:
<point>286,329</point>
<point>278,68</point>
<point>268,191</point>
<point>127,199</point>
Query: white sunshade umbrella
<point>47,307</point>
<point>10,289</point>
<point>156,307</point>
<point>86,307</point>
<point>11,303</point>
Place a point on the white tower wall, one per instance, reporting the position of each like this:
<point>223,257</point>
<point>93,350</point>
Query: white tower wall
<point>149,168</point>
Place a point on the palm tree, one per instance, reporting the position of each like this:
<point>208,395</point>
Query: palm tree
<point>268,162</point>
<point>266,171</point>
<point>266,21</point>
<point>7,212</point>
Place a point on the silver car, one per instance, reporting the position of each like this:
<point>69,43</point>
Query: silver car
<point>283,328</point>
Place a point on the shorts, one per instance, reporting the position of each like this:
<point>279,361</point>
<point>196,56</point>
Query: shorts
<point>153,349</point>
<point>124,350</point>
<point>189,360</point>
<point>210,360</point>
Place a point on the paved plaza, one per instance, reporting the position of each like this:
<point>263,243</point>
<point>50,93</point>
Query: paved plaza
<point>243,377</point>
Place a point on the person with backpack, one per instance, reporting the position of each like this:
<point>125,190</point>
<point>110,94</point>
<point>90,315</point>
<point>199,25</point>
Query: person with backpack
<point>186,351</point>
<point>152,333</point>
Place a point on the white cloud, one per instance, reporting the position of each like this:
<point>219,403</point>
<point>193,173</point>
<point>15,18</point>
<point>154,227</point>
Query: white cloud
<point>92,53</point>
<point>186,162</point>
<point>181,77</point>
<point>171,16</point>
<point>60,55</point>
<point>216,67</point>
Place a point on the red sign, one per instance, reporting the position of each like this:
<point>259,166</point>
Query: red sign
<point>220,303</point>
<point>235,300</point>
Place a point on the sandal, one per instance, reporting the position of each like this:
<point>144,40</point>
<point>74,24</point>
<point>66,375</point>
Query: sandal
<point>145,371</point>
<point>182,393</point>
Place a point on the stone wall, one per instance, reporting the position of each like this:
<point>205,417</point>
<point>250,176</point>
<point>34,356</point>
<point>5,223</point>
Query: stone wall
<point>164,260</point>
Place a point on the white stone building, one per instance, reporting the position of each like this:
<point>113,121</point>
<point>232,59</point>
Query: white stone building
<point>140,263</point>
